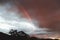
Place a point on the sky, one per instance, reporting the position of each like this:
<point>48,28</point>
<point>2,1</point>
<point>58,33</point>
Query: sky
<point>11,19</point>
<point>45,12</point>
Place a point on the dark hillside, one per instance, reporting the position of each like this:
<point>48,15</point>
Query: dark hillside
<point>18,37</point>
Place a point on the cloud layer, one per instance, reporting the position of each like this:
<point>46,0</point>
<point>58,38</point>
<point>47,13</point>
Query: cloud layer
<point>9,19</point>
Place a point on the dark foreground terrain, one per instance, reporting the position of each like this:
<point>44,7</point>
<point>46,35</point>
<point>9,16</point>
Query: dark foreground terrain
<point>18,37</point>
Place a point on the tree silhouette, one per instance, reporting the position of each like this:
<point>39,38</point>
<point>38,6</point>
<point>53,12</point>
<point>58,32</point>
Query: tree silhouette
<point>13,32</point>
